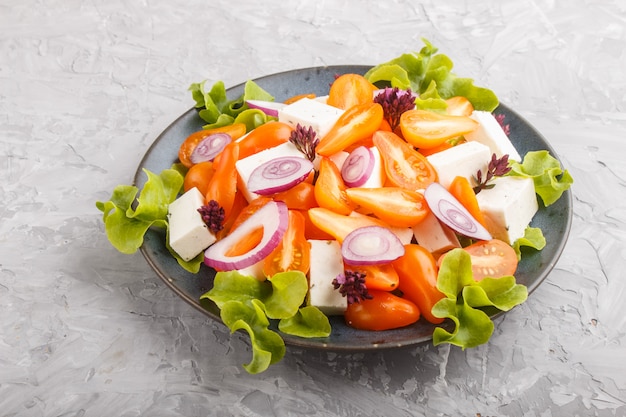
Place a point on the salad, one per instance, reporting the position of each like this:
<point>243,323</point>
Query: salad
<point>397,197</point>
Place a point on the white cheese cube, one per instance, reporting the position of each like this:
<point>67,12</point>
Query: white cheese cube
<point>490,133</point>
<point>508,207</point>
<point>308,112</point>
<point>248,164</point>
<point>188,234</point>
<point>463,160</point>
<point>435,236</point>
<point>405,234</point>
<point>326,264</point>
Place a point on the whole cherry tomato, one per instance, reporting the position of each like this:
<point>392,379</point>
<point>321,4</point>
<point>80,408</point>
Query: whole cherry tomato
<point>384,311</point>
<point>199,176</point>
<point>349,90</point>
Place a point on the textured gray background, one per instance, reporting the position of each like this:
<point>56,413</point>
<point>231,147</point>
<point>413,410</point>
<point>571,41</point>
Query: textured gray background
<point>85,87</point>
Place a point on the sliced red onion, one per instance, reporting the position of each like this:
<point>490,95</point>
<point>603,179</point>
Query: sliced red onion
<point>270,108</point>
<point>358,167</point>
<point>371,245</point>
<point>210,147</point>
<point>279,174</point>
<point>452,213</point>
<point>273,217</point>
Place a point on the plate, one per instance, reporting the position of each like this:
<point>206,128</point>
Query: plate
<point>555,220</point>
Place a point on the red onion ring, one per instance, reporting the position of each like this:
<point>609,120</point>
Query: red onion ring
<point>358,167</point>
<point>279,174</point>
<point>371,245</point>
<point>270,108</point>
<point>210,147</point>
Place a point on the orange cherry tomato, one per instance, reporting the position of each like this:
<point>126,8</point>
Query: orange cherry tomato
<point>293,99</point>
<point>405,167</point>
<point>459,106</point>
<point>299,197</point>
<point>349,90</point>
<point>330,190</point>
<point>236,130</point>
<point>355,124</point>
<point>395,206</point>
<point>418,271</point>
<point>378,277</point>
<point>223,185</point>
<point>311,231</point>
<point>428,129</point>
<point>462,190</point>
<point>384,311</point>
<point>238,205</point>
<point>339,225</point>
<point>266,136</point>
<point>293,253</point>
<point>445,145</point>
<point>491,258</point>
<point>199,176</point>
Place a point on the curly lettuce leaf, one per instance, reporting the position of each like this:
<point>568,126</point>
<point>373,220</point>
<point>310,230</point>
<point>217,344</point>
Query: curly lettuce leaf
<point>533,238</point>
<point>217,110</point>
<point>248,304</point>
<point>550,180</point>
<point>418,70</point>
<point>466,301</point>
<point>127,217</point>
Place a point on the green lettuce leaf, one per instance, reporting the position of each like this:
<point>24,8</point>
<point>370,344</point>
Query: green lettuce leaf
<point>533,238</point>
<point>288,292</point>
<point>550,180</point>
<point>467,301</point>
<point>127,217</point>
<point>419,70</point>
<point>309,321</point>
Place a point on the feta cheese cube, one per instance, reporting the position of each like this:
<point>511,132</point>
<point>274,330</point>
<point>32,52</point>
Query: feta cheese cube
<point>309,112</point>
<point>188,234</point>
<point>508,207</point>
<point>464,160</point>
<point>326,264</point>
<point>435,236</point>
<point>490,133</point>
<point>248,164</point>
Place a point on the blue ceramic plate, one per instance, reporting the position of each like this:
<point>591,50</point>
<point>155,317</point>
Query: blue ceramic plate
<point>555,220</point>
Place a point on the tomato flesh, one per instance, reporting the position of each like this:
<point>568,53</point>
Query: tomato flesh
<point>384,311</point>
<point>428,129</point>
<point>492,258</point>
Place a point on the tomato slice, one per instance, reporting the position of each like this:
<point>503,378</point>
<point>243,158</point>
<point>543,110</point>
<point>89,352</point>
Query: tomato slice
<point>418,271</point>
<point>199,176</point>
<point>378,277</point>
<point>491,258</point>
<point>293,253</point>
<point>266,136</point>
<point>236,130</point>
<point>349,90</point>
<point>394,205</point>
<point>459,106</point>
<point>339,225</point>
<point>384,311</point>
<point>428,129</point>
<point>405,167</point>
<point>462,190</point>
<point>299,197</point>
<point>355,124</point>
<point>330,190</point>
<point>223,185</point>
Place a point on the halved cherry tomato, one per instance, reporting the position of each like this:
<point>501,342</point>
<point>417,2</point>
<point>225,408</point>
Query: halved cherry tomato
<point>445,145</point>
<point>266,136</point>
<point>462,190</point>
<point>299,197</point>
<point>459,106</point>
<point>491,258</point>
<point>349,90</point>
<point>405,167</point>
<point>418,271</point>
<point>293,99</point>
<point>339,225</point>
<point>293,253</point>
<point>330,190</point>
<point>199,176</point>
<point>311,231</point>
<point>236,130</point>
<point>395,206</point>
<point>356,123</point>
<point>378,277</point>
<point>428,129</point>
<point>223,185</point>
<point>384,311</point>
